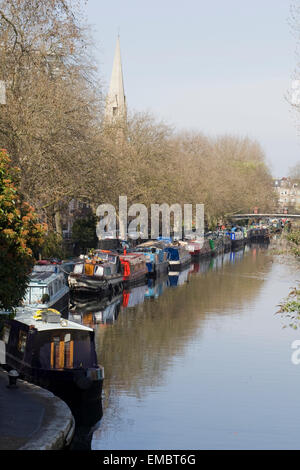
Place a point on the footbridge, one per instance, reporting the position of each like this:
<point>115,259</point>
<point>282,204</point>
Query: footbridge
<point>262,216</point>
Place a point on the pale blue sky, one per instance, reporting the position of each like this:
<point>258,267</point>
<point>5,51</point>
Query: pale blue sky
<point>215,66</point>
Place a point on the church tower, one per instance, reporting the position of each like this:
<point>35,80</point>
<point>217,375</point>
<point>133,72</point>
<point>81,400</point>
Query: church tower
<point>115,109</point>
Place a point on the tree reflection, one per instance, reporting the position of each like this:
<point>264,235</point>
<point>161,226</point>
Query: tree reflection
<point>140,347</point>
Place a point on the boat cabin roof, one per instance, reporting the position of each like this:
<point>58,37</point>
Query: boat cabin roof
<point>151,244</point>
<point>132,256</point>
<point>93,262</point>
<point>106,255</point>
<point>42,278</point>
<point>40,325</point>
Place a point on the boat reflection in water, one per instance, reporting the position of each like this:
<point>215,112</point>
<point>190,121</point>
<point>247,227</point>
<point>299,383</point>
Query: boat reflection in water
<point>237,255</point>
<point>134,296</point>
<point>87,415</point>
<point>156,287</point>
<point>216,263</point>
<point>91,311</point>
<point>201,267</point>
<point>178,278</point>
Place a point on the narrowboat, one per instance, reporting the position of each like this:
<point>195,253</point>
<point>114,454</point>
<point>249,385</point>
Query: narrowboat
<point>156,257</point>
<point>226,241</point>
<point>215,243</point>
<point>134,268</point>
<point>199,248</point>
<point>179,257</point>
<point>237,237</point>
<point>98,273</point>
<point>52,352</point>
<point>93,311</point>
<point>192,246</point>
<point>259,234</point>
<point>47,288</point>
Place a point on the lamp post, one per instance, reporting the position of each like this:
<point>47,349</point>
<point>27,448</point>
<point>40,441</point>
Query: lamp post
<point>12,379</point>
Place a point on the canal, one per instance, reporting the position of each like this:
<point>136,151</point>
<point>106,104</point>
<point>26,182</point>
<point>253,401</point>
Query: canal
<point>201,361</point>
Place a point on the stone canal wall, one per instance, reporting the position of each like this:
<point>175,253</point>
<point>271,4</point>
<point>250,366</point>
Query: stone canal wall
<point>32,418</point>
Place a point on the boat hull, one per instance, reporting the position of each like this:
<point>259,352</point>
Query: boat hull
<point>158,269</point>
<point>259,235</point>
<point>235,244</point>
<point>92,284</point>
<point>61,382</point>
<point>178,265</point>
<point>135,279</point>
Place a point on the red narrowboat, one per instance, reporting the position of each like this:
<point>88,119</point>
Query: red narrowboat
<point>134,268</point>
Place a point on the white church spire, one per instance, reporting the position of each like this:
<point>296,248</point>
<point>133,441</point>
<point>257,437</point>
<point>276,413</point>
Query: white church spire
<point>115,101</point>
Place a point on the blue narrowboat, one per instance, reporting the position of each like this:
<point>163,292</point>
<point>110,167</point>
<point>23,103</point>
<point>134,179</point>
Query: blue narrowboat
<point>52,352</point>
<point>238,237</point>
<point>179,257</point>
<point>156,256</point>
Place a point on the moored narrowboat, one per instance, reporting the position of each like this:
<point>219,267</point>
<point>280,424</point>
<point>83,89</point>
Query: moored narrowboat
<point>99,273</point>
<point>260,234</point>
<point>226,241</point>
<point>192,246</point>
<point>179,257</point>
<point>238,237</point>
<point>134,268</point>
<point>156,257</point>
<point>199,248</point>
<point>47,288</point>
<point>52,352</point>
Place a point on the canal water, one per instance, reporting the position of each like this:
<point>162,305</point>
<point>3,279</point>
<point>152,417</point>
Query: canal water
<point>201,360</point>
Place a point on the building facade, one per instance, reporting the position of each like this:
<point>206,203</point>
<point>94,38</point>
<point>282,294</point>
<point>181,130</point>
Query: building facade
<point>288,191</point>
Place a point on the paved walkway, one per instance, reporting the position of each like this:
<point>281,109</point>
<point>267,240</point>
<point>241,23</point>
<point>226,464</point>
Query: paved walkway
<point>32,418</point>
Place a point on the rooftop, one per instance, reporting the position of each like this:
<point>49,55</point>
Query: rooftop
<point>27,319</point>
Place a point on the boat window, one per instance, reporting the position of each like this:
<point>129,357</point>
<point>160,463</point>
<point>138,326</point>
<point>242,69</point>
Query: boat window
<point>55,352</point>
<point>50,288</point>
<point>69,351</point>
<point>89,269</point>
<point>107,271</point>
<point>6,333</point>
<point>98,271</point>
<point>62,352</point>
<point>107,256</point>
<point>78,268</point>
<point>102,255</point>
<point>22,341</point>
<point>35,294</point>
